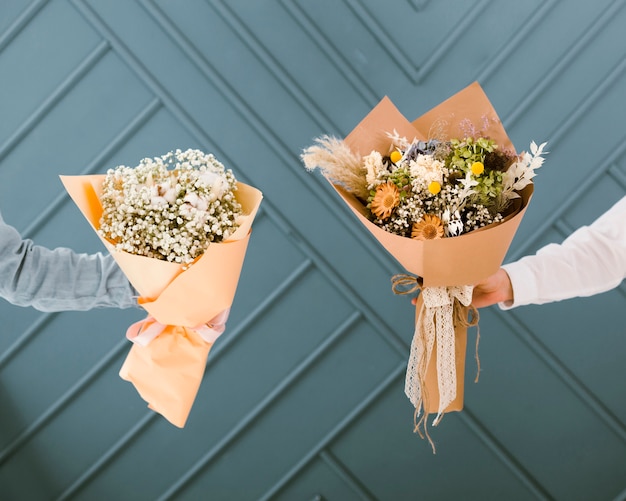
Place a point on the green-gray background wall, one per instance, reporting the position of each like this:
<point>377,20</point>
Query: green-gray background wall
<point>303,395</point>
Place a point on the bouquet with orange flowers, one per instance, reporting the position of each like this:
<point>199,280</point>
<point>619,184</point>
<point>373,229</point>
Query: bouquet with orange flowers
<point>178,226</point>
<point>444,195</point>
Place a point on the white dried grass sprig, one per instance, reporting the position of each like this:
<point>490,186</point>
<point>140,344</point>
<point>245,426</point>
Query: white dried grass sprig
<point>520,173</point>
<point>337,162</point>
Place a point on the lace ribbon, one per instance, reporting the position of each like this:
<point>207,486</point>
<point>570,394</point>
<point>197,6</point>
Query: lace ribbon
<point>146,330</point>
<point>442,309</point>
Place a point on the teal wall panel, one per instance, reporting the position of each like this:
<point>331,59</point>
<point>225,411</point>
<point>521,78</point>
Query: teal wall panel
<point>303,394</point>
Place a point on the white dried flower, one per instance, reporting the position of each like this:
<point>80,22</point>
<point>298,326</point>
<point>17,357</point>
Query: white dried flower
<point>376,173</point>
<point>425,169</point>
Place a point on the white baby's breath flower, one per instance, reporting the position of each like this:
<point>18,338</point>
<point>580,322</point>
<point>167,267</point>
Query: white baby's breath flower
<point>171,207</point>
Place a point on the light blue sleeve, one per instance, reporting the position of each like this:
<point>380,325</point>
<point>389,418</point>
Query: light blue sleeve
<point>59,279</point>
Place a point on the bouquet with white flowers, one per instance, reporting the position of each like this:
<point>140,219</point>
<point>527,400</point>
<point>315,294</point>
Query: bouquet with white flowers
<point>432,189</point>
<point>170,207</point>
<point>178,226</point>
<point>444,195</point>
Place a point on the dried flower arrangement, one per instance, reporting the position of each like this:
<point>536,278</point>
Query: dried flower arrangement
<point>429,189</point>
<point>444,194</point>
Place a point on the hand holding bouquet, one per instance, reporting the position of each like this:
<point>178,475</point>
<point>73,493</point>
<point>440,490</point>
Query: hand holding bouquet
<point>444,195</point>
<point>178,226</point>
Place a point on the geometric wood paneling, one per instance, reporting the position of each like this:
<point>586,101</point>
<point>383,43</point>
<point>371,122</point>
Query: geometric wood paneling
<point>303,394</point>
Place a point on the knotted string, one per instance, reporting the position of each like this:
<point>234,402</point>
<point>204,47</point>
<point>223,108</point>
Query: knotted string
<point>402,284</point>
<point>443,308</point>
<point>144,331</point>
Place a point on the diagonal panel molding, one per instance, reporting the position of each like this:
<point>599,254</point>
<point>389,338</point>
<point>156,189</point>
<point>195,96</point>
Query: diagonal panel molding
<point>288,82</point>
<point>22,20</point>
<point>402,59</point>
<point>341,63</point>
<point>418,4</point>
<point>318,333</point>
<point>548,78</point>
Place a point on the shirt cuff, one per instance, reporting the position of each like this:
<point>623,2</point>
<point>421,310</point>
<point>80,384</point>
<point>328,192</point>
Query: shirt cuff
<point>524,287</point>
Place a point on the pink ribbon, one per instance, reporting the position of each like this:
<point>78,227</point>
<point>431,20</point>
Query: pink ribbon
<point>146,330</point>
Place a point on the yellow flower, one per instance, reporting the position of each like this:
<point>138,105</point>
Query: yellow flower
<point>429,228</point>
<point>395,156</point>
<point>434,187</point>
<point>477,168</point>
<point>387,198</point>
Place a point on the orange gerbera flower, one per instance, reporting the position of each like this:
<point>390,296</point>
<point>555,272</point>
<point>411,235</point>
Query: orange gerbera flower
<point>429,228</point>
<point>386,199</point>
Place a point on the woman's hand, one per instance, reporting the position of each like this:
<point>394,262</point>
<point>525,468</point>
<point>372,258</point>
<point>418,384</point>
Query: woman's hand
<point>494,289</point>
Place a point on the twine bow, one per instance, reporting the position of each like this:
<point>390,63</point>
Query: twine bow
<point>442,309</point>
<point>144,331</point>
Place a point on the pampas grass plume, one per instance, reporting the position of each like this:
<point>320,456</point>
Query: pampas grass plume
<point>337,163</point>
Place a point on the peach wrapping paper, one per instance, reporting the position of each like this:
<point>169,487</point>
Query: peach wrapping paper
<point>447,262</point>
<point>168,370</point>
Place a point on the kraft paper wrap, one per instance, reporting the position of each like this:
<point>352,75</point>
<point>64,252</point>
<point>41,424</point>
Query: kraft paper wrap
<point>446,262</point>
<point>168,370</point>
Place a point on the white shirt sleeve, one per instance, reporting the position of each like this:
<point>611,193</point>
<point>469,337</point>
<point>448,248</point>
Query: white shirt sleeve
<point>590,261</point>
